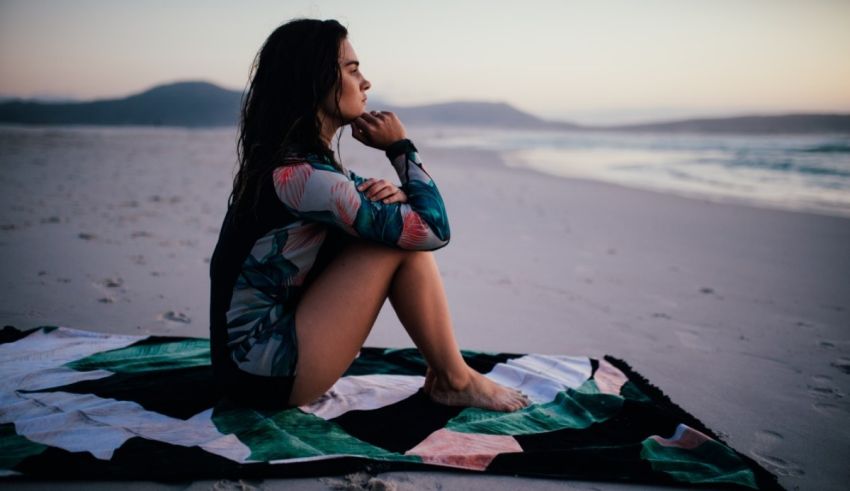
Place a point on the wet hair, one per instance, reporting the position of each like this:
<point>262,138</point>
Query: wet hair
<point>294,71</point>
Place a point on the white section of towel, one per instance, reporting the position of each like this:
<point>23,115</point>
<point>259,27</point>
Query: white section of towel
<point>541,377</point>
<point>40,351</point>
<point>360,392</point>
<point>88,423</point>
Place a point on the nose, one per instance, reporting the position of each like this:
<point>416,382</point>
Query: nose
<point>366,85</point>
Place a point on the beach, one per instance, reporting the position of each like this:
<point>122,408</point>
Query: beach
<point>740,314</point>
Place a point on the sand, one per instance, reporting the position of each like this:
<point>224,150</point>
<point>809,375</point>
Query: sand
<point>740,314</point>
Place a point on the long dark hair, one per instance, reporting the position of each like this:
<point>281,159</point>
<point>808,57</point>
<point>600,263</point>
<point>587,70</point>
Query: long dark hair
<point>293,72</point>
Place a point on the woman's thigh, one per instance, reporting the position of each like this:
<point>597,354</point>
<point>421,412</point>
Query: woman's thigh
<point>336,313</point>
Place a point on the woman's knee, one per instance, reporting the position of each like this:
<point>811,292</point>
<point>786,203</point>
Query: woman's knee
<point>418,259</point>
<point>372,248</point>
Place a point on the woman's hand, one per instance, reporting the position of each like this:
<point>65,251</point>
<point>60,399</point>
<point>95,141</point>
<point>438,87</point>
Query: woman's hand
<point>381,189</point>
<point>378,129</point>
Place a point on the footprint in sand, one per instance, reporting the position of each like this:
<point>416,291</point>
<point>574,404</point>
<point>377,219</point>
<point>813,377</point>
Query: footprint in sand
<point>842,364</point>
<point>175,316</point>
<point>822,387</point>
<point>240,485</point>
<point>112,282</point>
<point>765,452</point>
<point>360,480</point>
<point>831,409</point>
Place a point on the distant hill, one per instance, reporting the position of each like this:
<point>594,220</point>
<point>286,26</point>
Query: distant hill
<point>191,104</point>
<point>202,104</point>
<point>475,114</point>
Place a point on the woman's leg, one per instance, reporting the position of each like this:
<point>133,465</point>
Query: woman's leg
<point>340,306</point>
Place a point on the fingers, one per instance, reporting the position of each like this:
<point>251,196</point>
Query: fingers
<point>366,185</point>
<point>398,197</point>
<point>381,114</point>
<point>381,189</point>
<point>375,118</point>
<point>370,119</point>
<point>377,129</point>
<point>363,126</point>
<point>358,131</point>
<point>384,192</point>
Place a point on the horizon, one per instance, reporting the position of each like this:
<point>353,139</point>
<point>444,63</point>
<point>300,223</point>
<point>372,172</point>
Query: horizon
<point>792,59</point>
<point>658,120</point>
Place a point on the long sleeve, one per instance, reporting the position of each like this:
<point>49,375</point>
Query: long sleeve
<point>317,191</point>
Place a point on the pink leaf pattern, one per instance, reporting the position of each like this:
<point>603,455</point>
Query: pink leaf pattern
<point>414,233</point>
<point>301,248</point>
<point>307,236</point>
<point>684,437</point>
<point>346,201</point>
<point>609,378</point>
<point>465,450</point>
<point>290,181</point>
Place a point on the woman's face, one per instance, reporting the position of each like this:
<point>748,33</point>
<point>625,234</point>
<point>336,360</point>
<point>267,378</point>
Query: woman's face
<point>352,101</point>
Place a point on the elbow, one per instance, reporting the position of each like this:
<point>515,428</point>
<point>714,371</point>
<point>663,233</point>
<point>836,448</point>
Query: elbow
<point>437,243</point>
<point>419,235</point>
<point>441,238</point>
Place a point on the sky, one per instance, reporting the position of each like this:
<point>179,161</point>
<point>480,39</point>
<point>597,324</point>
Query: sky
<point>592,62</point>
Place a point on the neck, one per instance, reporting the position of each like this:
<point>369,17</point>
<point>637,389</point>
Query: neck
<point>329,128</point>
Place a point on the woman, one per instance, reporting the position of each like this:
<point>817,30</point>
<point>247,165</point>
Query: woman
<point>309,251</point>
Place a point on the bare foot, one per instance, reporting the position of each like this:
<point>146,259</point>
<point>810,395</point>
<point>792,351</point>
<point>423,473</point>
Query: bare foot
<point>477,391</point>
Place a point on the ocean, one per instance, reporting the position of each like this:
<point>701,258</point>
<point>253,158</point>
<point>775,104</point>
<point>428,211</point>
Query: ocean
<point>796,172</point>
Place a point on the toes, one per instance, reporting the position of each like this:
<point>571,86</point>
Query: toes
<point>520,397</point>
<point>515,404</point>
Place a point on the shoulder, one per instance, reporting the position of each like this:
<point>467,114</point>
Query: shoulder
<point>295,156</point>
<point>297,171</point>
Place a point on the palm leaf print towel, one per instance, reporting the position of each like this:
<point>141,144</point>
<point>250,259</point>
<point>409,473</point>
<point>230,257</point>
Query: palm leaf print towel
<point>80,404</point>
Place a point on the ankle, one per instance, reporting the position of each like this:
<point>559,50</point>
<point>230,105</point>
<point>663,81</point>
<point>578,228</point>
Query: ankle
<point>456,380</point>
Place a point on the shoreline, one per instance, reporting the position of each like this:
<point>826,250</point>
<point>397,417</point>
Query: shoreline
<point>504,156</point>
<point>529,157</point>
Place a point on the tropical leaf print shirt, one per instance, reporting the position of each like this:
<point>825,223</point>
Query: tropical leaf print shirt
<point>315,202</point>
<point>318,193</point>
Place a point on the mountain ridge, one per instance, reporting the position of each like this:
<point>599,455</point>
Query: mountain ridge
<point>199,103</point>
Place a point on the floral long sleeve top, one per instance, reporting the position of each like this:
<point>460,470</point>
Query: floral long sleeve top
<point>320,199</point>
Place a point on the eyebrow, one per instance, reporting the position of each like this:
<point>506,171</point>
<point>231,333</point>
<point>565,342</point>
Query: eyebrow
<point>352,62</point>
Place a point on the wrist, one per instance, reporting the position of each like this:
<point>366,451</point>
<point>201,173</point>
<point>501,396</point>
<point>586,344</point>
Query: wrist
<point>399,147</point>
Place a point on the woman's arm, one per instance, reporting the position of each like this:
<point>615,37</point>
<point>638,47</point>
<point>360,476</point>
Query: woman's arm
<point>319,192</point>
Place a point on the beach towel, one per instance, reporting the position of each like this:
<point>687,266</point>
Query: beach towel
<point>81,404</point>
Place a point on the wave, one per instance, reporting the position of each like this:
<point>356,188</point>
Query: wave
<point>827,148</point>
<point>775,165</point>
